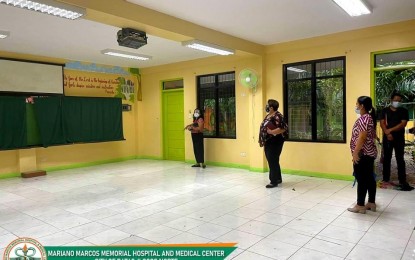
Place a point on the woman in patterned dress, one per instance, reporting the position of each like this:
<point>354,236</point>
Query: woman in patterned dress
<point>363,148</point>
<point>272,133</point>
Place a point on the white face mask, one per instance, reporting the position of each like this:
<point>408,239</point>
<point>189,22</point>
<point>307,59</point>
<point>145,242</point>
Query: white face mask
<point>357,110</point>
<point>196,114</point>
<point>396,104</point>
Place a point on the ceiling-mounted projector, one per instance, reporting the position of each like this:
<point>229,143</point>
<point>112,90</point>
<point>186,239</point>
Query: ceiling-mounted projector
<point>131,38</point>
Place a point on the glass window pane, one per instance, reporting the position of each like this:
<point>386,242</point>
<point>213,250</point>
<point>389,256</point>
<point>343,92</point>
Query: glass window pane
<point>388,81</point>
<point>299,71</point>
<point>299,110</point>
<point>329,68</point>
<point>314,94</point>
<point>216,95</point>
<point>207,81</point>
<point>209,116</point>
<point>395,59</point>
<point>208,103</point>
<point>174,84</point>
<point>330,109</point>
<point>226,77</point>
<point>227,113</point>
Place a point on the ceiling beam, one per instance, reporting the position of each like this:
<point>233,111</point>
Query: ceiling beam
<point>121,13</point>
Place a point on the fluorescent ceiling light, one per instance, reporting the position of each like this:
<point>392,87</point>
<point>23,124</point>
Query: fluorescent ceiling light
<point>4,34</point>
<point>124,54</point>
<point>296,69</point>
<point>208,47</point>
<point>48,7</point>
<point>354,7</point>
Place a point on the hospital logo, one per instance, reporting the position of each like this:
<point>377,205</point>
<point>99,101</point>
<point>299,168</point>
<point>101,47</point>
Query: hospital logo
<point>24,248</point>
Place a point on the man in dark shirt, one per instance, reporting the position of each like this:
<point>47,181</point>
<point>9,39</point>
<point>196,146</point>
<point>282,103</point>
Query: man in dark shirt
<point>393,122</point>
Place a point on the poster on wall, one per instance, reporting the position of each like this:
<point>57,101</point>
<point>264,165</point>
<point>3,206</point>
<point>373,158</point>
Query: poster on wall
<point>95,81</point>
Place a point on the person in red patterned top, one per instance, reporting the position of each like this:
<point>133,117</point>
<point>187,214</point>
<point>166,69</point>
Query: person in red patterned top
<point>272,134</point>
<point>363,148</point>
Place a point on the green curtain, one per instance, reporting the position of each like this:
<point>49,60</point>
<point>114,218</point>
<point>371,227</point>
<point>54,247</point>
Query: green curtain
<point>13,130</point>
<point>59,120</point>
<point>88,119</point>
<point>33,133</point>
<point>49,118</point>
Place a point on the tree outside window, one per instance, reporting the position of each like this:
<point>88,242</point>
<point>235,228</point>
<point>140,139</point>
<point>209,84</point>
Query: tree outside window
<point>394,71</point>
<point>314,95</point>
<point>216,96</point>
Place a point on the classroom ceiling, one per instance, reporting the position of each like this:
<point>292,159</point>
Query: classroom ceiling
<point>273,21</point>
<point>264,22</point>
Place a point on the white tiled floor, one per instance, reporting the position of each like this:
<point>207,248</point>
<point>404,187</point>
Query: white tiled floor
<point>146,201</point>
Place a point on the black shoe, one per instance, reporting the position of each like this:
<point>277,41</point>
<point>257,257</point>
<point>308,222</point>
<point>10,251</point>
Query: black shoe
<point>196,165</point>
<point>405,187</point>
<point>203,165</point>
<point>271,185</point>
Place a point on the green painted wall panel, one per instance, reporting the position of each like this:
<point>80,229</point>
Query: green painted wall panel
<point>173,123</point>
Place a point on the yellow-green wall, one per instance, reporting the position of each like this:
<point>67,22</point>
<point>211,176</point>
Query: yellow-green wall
<point>56,157</point>
<point>150,132</point>
<point>357,47</point>
<point>9,162</point>
<point>312,157</point>
<point>143,129</point>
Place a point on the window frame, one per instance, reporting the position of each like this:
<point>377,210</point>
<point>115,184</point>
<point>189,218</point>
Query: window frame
<point>216,94</point>
<point>375,69</point>
<point>313,99</point>
<point>164,82</point>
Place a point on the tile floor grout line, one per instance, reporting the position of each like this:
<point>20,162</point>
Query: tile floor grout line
<point>231,186</point>
<point>406,246</point>
<point>366,232</point>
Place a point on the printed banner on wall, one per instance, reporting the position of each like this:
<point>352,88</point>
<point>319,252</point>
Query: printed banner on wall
<point>92,84</point>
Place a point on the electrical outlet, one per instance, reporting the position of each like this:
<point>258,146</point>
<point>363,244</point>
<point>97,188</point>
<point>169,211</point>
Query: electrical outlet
<point>243,154</point>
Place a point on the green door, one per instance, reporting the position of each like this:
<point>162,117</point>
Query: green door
<point>173,124</point>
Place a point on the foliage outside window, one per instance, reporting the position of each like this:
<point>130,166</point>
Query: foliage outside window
<point>216,96</point>
<point>394,71</point>
<point>314,100</point>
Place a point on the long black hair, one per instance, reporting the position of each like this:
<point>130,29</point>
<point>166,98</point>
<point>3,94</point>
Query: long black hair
<point>367,104</point>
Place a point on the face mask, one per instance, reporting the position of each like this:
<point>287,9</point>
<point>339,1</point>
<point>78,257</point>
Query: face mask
<point>196,114</point>
<point>396,104</point>
<point>357,110</point>
<point>267,108</point>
